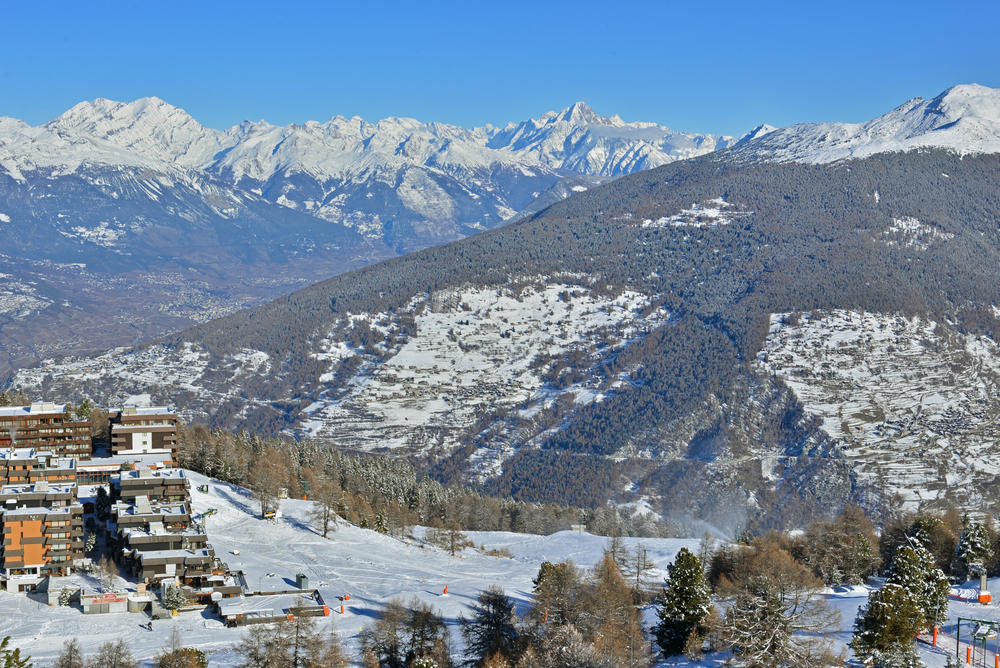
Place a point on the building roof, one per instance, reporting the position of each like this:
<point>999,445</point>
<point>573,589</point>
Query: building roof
<point>157,529</point>
<point>116,461</point>
<point>37,408</point>
<point>138,508</point>
<point>268,604</point>
<point>202,553</point>
<point>143,410</point>
<point>151,474</point>
<point>40,488</point>
<point>13,512</point>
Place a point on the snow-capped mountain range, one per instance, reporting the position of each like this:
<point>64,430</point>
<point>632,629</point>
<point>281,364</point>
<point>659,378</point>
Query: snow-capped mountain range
<point>965,119</point>
<point>399,179</point>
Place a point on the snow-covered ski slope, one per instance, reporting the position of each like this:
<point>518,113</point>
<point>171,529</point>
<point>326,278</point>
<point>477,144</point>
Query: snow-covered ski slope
<point>370,567</point>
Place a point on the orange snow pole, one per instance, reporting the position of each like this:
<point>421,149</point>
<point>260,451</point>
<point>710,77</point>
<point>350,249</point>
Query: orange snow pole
<point>446,589</point>
<point>968,655</point>
<point>996,661</point>
<point>341,608</point>
<point>934,641</point>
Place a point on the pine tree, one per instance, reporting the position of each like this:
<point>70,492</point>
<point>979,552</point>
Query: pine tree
<point>913,569</point>
<point>975,549</point>
<point>11,658</point>
<point>491,629</point>
<point>778,615</point>
<point>174,597</point>
<point>102,504</point>
<point>885,628</point>
<point>684,603</point>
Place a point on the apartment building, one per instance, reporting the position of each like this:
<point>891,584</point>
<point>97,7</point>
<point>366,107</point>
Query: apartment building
<point>45,426</point>
<point>157,540</point>
<point>161,485</point>
<point>144,430</point>
<point>28,465</point>
<point>42,528</point>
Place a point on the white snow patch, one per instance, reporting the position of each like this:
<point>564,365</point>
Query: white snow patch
<point>712,213</point>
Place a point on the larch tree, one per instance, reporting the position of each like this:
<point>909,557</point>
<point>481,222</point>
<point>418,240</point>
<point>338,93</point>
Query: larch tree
<point>557,593</point>
<point>71,656</point>
<point>777,614</point>
<point>325,494</point>
<point>113,655</point>
<point>386,638</point>
<point>684,604</point>
<point>264,646</point>
<point>842,551</point>
<point>613,623</point>
<point>265,478</point>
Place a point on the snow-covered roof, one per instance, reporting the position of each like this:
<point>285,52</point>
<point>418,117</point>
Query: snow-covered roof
<point>265,604</point>
<point>39,408</point>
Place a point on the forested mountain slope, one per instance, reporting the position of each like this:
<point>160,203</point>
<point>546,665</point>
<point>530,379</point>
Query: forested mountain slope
<point>121,221</point>
<point>625,343</point>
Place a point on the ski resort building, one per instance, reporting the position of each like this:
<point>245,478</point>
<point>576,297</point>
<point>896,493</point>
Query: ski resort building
<point>45,426</point>
<point>42,528</point>
<point>28,465</point>
<point>272,607</point>
<point>155,537</point>
<point>161,485</point>
<point>144,430</point>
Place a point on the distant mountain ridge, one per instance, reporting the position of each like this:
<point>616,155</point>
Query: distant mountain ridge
<point>410,183</point>
<point>964,119</point>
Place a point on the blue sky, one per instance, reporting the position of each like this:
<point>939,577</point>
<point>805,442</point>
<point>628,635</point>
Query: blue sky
<point>698,66</point>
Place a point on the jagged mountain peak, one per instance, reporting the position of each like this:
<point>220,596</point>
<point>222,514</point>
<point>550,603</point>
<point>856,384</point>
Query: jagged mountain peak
<point>581,113</point>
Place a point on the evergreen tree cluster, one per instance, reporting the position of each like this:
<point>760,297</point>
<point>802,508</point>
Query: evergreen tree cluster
<point>379,492</point>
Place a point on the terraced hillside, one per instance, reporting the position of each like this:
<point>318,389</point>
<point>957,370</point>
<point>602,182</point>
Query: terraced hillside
<point>609,347</point>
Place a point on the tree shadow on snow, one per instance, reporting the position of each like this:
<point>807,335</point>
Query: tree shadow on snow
<point>239,503</point>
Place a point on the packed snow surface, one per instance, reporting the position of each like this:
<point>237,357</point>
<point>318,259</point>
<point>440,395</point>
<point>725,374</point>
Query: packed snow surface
<point>372,568</point>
